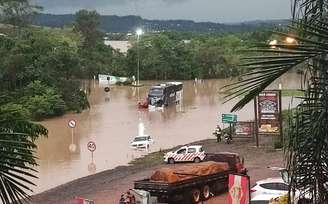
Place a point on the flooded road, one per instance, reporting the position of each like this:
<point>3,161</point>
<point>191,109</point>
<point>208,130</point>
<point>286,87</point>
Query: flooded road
<point>113,123</point>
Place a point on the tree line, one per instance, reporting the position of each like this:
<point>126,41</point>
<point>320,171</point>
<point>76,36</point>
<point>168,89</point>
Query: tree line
<point>42,69</point>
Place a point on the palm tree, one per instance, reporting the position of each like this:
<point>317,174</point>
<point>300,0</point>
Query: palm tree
<point>17,136</point>
<point>306,148</point>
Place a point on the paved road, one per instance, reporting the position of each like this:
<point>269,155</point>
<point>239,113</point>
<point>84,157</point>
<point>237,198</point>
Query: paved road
<point>106,187</point>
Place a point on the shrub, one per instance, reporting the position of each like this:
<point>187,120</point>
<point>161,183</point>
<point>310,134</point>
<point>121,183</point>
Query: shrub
<point>43,101</point>
<point>278,145</point>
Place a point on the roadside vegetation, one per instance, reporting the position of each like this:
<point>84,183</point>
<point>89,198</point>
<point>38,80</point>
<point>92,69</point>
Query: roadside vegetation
<point>47,70</point>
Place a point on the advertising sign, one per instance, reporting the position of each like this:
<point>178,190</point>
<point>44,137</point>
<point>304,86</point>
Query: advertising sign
<point>238,189</point>
<point>269,112</point>
<point>244,129</point>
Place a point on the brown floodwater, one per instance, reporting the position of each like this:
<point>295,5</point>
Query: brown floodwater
<point>113,123</point>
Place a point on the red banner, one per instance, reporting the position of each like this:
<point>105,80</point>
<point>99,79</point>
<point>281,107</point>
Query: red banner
<point>238,189</point>
<point>244,129</point>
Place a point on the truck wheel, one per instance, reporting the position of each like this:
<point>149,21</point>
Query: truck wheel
<point>195,195</point>
<point>197,160</point>
<point>206,192</point>
<point>170,161</point>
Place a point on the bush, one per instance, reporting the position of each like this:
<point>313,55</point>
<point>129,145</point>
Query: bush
<point>43,101</point>
<point>75,99</point>
<point>278,145</point>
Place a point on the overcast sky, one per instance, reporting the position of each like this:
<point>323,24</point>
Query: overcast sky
<point>197,10</point>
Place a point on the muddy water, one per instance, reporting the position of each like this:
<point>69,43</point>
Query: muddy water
<point>112,122</point>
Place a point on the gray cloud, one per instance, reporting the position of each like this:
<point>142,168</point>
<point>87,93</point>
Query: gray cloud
<point>198,10</point>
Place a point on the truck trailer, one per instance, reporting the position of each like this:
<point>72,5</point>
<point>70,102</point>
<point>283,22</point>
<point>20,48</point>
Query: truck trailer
<point>195,185</point>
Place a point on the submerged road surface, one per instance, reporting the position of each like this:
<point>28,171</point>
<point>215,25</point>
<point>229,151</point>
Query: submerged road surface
<point>112,123</point>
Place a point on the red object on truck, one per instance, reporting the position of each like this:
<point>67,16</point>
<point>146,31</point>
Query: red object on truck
<point>143,104</point>
<point>78,200</point>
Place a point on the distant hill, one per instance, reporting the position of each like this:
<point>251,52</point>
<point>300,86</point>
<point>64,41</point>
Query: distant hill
<point>125,24</point>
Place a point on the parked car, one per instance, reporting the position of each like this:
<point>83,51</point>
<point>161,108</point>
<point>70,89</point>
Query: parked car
<point>142,142</point>
<point>273,186</point>
<point>263,199</point>
<point>276,187</point>
<point>193,153</point>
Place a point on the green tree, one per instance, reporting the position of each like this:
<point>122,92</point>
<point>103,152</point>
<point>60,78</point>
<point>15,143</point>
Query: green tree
<point>43,101</point>
<point>307,139</point>
<point>87,24</point>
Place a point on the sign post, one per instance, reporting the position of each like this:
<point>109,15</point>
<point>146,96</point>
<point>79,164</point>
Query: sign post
<point>229,118</point>
<point>256,126</point>
<point>72,125</point>
<point>91,147</point>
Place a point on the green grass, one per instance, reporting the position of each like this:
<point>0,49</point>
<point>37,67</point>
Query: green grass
<point>151,159</point>
<point>292,92</point>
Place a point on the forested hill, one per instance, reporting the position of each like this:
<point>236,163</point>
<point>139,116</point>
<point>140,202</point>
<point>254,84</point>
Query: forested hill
<point>126,24</point>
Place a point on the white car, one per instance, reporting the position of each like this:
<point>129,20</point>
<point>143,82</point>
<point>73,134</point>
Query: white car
<point>263,198</point>
<point>143,141</point>
<point>192,153</point>
<point>273,186</point>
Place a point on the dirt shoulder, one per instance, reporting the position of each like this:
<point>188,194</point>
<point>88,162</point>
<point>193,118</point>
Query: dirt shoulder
<point>106,187</point>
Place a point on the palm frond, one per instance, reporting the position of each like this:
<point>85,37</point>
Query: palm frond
<point>15,167</point>
<point>17,148</point>
<point>264,69</point>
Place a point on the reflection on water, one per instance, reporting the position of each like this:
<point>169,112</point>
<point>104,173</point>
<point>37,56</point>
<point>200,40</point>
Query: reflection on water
<point>112,122</point>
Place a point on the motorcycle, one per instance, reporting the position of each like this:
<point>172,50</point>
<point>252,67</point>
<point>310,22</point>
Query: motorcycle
<point>227,138</point>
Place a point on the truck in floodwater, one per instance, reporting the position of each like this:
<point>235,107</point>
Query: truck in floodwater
<point>165,94</point>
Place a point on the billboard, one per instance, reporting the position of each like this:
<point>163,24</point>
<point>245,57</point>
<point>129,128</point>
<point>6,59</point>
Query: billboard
<point>269,112</point>
<point>244,129</point>
<point>238,189</point>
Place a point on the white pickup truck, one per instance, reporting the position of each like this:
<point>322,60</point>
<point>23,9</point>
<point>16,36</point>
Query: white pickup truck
<point>192,153</point>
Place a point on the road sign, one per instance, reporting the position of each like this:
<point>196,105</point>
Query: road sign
<point>229,118</point>
<point>91,146</point>
<point>71,123</point>
<point>106,89</point>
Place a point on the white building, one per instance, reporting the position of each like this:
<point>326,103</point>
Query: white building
<point>122,46</point>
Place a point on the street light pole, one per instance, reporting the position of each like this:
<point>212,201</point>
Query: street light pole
<point>138,32</point>
<point>138,56</point>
